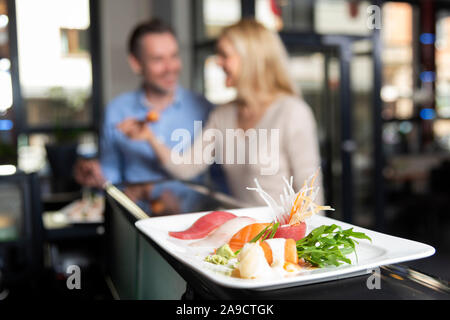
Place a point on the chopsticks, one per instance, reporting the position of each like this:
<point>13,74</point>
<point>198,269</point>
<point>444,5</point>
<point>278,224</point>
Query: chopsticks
<point>120,197</point>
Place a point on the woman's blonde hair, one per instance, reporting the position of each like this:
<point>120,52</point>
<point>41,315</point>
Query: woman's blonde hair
<point>264,62</point>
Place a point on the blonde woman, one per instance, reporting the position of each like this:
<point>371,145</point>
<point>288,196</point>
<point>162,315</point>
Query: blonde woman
<point>274,129</point>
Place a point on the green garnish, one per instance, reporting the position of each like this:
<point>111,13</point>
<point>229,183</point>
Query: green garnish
<point>225,251</point>
<point>264,234</point>
<point>216,259</point>
<point>223,254</point>
<point>274,230</point>
<point>328,245</point>
<point>259,235</point>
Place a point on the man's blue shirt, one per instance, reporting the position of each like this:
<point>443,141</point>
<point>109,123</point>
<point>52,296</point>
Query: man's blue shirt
<point>129,161</point>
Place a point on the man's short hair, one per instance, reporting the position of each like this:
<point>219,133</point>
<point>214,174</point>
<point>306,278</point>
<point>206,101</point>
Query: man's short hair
<point>153,26</point>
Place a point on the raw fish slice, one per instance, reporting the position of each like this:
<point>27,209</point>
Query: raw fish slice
<point>224,233</point>
<point>290,251</point>
<point>295,232</point>
<point>240,238</point>
<point>203,226</point>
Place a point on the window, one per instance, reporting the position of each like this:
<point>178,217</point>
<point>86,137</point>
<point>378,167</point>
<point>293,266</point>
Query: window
<point>442,64</point>
<point>341,17</point>
<point>215,89</point>
<point>8,147</point>
<point>74,41</point>
<point>55,67</point>
<point>56,77</point>
<point>320,16</point>
<point>269,13</point>
<point>213,15</point>
<point>442,44</point>
<point>398,77</point>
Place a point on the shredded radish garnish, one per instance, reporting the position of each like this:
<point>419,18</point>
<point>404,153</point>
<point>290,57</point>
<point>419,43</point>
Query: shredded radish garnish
<point>293,207</point>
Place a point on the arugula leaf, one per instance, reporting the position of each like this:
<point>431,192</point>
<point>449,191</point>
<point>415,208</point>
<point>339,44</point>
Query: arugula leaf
<point>329,245</point>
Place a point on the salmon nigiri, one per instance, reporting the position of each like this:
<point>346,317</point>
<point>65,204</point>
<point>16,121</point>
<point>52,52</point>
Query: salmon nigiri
<point>240,238</point>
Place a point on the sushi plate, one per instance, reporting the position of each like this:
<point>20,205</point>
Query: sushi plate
<point>383,250</point>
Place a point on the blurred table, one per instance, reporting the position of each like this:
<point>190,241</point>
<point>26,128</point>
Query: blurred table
<point>140,269</point>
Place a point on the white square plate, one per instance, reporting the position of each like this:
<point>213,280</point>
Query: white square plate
<point>383,250</point>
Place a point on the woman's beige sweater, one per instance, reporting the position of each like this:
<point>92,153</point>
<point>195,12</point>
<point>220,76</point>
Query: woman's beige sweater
<point>283,143</point>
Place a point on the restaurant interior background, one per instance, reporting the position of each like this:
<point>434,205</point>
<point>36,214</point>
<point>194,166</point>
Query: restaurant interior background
<point>380,94</point>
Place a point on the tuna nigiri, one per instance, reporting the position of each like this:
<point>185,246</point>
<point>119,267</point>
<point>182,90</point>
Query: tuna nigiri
<point>223,233</point>
<point>204,225</point>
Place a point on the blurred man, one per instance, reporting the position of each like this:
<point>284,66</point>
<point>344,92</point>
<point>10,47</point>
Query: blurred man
<point>159,103</point>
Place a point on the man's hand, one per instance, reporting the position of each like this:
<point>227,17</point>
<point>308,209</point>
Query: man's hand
<point>135,129</point>
<point>88,173</point>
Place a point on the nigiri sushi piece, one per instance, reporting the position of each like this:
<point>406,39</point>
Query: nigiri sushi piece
<point>224,233</point>
<point>204,225</point>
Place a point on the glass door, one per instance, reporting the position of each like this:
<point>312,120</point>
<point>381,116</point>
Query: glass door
<point>317,75</point>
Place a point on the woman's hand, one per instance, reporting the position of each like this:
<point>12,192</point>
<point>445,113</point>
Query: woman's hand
<point>135,129</point>
<point>139,130</point>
